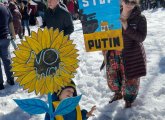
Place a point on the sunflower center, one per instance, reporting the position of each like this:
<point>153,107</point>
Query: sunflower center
<point>47,62</point>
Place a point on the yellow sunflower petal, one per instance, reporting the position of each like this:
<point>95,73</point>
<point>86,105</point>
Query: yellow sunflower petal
<point>55,34</point>
<point>21,47</point>
<point>32,86</point>
<point>68,53</point>
<point>51,34</point>
<point>15,64</point>
<point>72,52</point>
<point>65,80</point>
<point>39,36</point>
<point>69,60</point>
<point>39,84</point>
<point>35,46</point>
<point>58,81</point>
<point>73,56</point>
<point>44,90</point>
<point>49,83</point>
<point>27,85</point>
<point>17,60</point>
<point>64,74</point>
<point>20,78</point>
<point>65,39</point>
<point>69,42</point>
<point>56,87</point>
<point>34,35</point>
<point>58,41</point>
<point>75,66</point>
<point>22,68</point>
<point>24,55</point>
<point>29,77</point>
<point>67,49</point>
<point>17,74</point>
<point>23,65</point>
<point>70,68</point>
<point>45,39</point>
<point>25,44</point>
<point>65,69</point>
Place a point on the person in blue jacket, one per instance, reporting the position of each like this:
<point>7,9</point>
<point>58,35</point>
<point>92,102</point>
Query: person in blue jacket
<point>77,113</point>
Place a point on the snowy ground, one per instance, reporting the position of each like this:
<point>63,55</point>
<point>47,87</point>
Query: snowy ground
<point>149,104</point>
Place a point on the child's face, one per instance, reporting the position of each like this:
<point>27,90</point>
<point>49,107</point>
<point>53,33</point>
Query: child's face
<point>68,92</point>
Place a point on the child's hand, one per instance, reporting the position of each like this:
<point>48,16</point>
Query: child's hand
<point>90,113</point>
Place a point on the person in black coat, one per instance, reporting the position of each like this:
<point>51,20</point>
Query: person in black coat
<point>6,26</point>
<point>58,17</point>
<point>25,16</point>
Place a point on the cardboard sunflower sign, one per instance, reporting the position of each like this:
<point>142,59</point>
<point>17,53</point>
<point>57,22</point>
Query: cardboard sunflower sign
<point>44,63</point>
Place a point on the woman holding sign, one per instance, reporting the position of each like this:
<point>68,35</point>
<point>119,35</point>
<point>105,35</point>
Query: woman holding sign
<point>125,68</point>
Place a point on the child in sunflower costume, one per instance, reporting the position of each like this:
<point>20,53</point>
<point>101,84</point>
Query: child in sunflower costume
<point>77,114</point>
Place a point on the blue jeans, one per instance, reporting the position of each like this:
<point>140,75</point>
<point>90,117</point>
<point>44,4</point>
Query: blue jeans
<point>6,59</point>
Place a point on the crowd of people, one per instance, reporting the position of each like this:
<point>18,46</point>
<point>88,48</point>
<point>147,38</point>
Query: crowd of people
<point>25,12</point>
<point>151,4</point>
<point>124,68</point>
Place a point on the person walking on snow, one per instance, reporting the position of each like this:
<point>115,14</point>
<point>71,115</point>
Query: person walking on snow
<point>6,27</point>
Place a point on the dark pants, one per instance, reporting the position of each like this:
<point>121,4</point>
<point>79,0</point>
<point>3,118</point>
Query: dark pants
<point>117,80</point>
<point>6,59</point>
<point>41,13</point>
<point>26,23</point>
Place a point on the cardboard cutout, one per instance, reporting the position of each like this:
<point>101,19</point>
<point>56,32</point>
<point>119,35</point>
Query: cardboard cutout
<point>45,62</point>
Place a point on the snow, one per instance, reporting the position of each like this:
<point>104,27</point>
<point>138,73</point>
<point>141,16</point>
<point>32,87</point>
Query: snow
<point>149,104</point>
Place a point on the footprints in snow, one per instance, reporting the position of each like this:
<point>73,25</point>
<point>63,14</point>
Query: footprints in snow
<point>160,92</point>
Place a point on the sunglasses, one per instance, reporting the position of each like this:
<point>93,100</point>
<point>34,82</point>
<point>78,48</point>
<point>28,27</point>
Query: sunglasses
<point>130,2</point>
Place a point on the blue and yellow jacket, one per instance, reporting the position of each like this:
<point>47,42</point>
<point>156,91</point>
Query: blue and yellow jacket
<point>76,114</point>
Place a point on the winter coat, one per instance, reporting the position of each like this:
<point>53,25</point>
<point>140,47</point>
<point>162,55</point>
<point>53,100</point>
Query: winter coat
<point>70,6</point>
<point>33,8</point>
<point>16,17</point>
<point>133,53</point>
<point>24,12</point>
<point>76,114</point>
<point>6,18</point>
<point>59,18</point>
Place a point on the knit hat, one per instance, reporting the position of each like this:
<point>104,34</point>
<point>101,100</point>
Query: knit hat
<point>55,95</point>
<point>69,85</point>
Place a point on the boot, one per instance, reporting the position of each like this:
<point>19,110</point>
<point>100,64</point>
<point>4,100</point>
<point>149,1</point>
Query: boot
<point>23,31</point>
<point>128,104</point>
<point>2,87</point>
<point>117,96</point>
<point>10,82</point>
